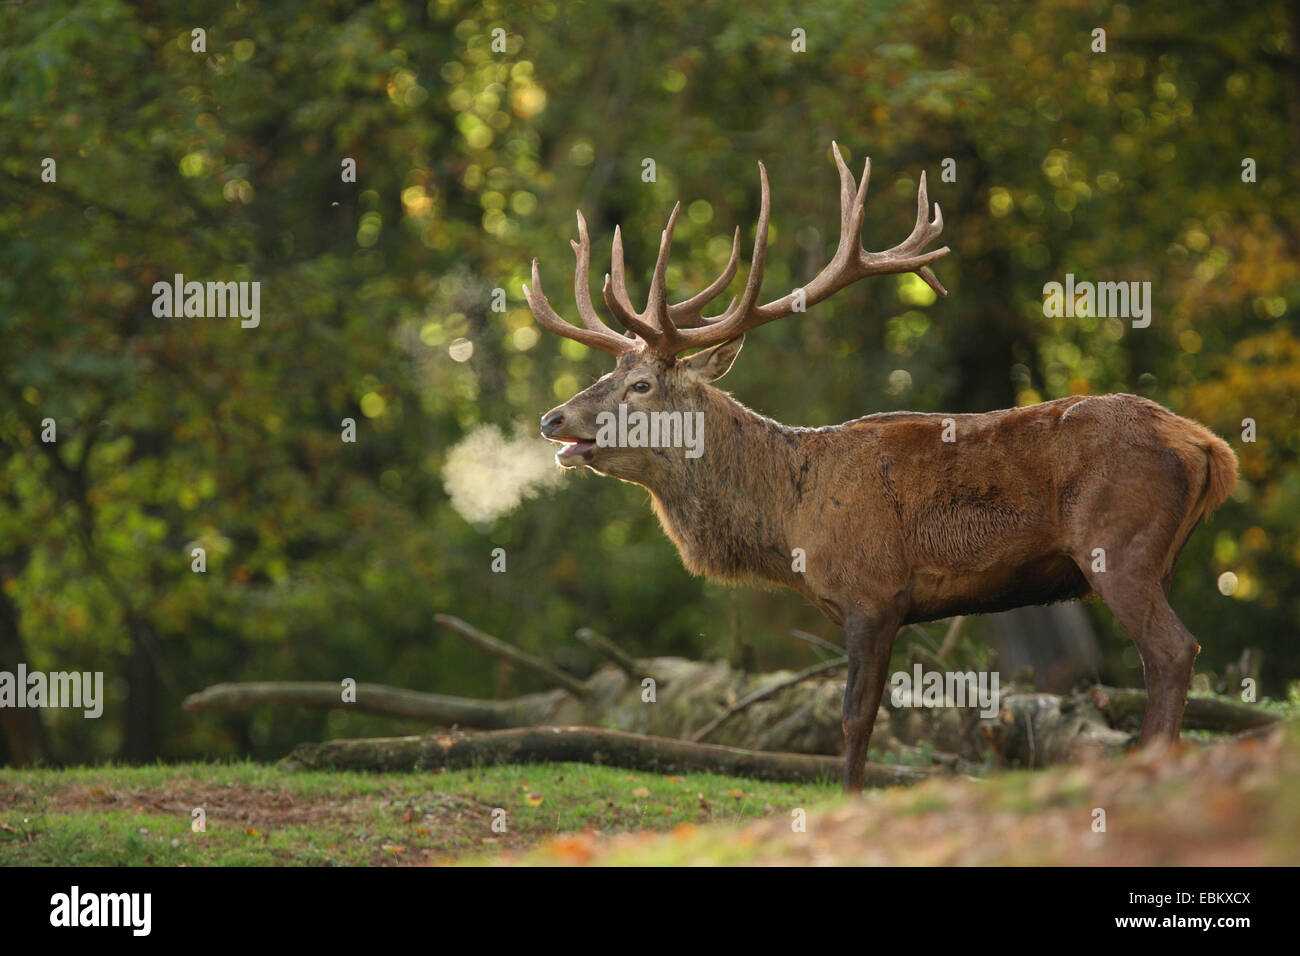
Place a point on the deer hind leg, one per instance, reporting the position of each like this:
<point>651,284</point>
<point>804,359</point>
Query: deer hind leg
<point>1168,649</point>
<point>869,639</point>
<point>1126,534</point>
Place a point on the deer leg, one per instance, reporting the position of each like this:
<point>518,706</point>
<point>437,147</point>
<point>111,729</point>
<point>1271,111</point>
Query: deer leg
<point>1168,649</point>
<point>869,639</point>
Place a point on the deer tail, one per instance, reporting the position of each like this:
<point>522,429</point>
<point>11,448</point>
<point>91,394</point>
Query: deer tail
<point>1220,472</point>
<point>1211,472</point>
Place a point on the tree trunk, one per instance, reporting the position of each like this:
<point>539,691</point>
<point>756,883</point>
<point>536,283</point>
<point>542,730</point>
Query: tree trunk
<point>142,737</point>
<point>22,735</point>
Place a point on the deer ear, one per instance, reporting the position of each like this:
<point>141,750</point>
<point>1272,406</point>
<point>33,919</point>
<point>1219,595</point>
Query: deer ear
<point>711,364</point>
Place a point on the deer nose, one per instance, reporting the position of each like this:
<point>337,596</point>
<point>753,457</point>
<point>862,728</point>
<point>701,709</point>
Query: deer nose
<point>552,422</point>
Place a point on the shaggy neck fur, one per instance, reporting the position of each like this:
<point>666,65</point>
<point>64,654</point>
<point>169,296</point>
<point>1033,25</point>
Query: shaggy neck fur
<point>708,505</point>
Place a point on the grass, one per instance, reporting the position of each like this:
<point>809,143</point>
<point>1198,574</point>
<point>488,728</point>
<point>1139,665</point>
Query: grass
<point>1231,802</point>
<point>259,815</point>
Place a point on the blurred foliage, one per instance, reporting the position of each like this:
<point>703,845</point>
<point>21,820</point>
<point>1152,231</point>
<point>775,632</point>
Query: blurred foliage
<point>327,560</point>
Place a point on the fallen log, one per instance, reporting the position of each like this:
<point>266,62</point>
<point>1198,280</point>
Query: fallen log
<point>1202,713</point>
<point>579,745</point>
<point>383,700</point>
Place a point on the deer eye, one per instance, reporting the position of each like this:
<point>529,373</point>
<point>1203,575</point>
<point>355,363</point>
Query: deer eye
<point>642,387</point>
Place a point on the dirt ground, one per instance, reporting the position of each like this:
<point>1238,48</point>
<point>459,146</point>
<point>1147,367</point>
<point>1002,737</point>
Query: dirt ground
<point>1230,804</point>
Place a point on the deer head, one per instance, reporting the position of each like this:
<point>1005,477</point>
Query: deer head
<point>651,374</point>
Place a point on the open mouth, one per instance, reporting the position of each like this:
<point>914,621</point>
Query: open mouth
<point>575,450</point>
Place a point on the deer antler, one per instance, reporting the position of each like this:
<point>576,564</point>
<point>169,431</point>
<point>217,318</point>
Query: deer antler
<point>668,330</point>
<point>596,333</point>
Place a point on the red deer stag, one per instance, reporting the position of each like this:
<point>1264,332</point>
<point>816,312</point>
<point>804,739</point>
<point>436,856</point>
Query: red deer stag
<point>901,516</point>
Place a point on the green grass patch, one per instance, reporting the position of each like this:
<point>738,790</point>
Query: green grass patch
<point>257,814</point>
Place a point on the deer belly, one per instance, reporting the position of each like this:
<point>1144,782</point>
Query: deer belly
<point>943,592</point>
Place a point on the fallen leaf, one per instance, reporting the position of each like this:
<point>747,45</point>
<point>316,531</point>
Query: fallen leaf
<point>576,849</point>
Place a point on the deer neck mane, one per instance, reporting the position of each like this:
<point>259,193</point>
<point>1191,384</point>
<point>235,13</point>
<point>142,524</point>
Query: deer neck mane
<point>725,510</point>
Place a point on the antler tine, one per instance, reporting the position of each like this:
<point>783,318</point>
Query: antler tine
<point>582,279</point>
<point>689,313</point>
<point>853,197</point>
<point>734,321</point>
<point>931,279</point>
<point>603,338</point>
<point>759,261</point>
<point>616,298</point>
<point>924,230</point>
<point>930,231</point>
<point>656,302</point>
<point>616,271</point>
<point>906,256</point>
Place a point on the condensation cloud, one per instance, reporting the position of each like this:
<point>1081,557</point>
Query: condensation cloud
<point>488,474</point>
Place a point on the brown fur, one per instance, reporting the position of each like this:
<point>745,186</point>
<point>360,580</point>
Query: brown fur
<point>899,525</point>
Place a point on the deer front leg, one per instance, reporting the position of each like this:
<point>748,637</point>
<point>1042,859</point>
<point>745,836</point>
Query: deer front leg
<point>869,638</point>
